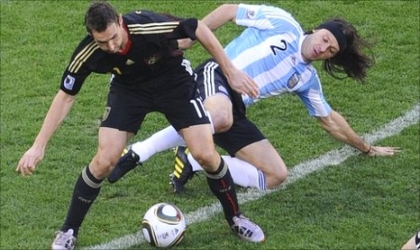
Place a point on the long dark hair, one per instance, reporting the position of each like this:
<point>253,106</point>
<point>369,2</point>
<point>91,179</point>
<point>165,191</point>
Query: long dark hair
<point>351,61</point>
<point>99,15</point>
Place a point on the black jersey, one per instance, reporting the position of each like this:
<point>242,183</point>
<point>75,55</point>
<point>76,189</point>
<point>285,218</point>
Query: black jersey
<point>152,52</point>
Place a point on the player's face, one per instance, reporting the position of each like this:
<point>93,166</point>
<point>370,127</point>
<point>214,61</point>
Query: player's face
<point>111,40</point>
<point>320,45</point>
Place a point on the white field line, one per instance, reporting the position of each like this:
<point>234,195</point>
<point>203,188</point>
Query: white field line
<point>331,158</point>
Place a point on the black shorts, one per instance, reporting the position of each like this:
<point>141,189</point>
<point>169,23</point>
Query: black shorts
<point>174,95</point>
<point>243,132</point>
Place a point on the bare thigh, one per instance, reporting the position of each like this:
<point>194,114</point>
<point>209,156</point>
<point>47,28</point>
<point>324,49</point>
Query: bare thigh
<point>220,108</point>
<point>264,156</point>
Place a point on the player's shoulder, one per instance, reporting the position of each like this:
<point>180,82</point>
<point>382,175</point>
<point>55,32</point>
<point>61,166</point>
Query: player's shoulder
<point>143,22</point>
<point>146,17</point>
<point>138,16</point>
<point>84,52</point>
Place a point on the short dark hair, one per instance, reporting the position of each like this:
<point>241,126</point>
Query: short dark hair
<point>99,15</point>
<point>351,61</point>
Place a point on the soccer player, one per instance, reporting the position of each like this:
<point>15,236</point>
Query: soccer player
<point>413,243</point>
<point>149,74</point>
<point>277,53</point>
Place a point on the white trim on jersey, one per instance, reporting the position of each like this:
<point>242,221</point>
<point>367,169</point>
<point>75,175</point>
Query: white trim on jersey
<point>208,79</point>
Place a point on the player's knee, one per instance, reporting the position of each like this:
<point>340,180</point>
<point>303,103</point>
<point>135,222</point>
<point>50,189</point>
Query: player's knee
<point>205,158</point>
<point>277,177</point>
<point>102,164</point>
<point>222,121</point>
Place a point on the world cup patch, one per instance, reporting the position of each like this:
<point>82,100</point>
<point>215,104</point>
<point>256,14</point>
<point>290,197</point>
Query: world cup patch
<point>69,82</point>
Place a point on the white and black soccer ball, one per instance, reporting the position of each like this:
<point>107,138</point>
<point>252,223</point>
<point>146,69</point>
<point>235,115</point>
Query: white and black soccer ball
<point>163,225</point>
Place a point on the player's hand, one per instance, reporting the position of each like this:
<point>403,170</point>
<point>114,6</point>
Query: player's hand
<point>27,163</point>
<point>383,151</point>
<point>242,83</point>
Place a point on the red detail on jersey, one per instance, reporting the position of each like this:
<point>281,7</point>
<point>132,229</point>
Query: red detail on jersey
<point>128,45</point>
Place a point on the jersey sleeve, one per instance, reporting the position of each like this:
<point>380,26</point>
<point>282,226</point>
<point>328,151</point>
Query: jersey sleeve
<point>263,17</point>
<point>185,29</point>
<point>313,98</point>
<point>77,70</point>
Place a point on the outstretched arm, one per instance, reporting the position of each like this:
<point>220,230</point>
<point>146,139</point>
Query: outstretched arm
<point>337,127</point>
<point>59,109</point>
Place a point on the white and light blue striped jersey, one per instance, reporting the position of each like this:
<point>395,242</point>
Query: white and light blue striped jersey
<point>269,51</point>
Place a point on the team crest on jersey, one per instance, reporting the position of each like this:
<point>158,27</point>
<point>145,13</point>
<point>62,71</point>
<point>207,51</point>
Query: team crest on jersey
<point>293,80</point>
<point>152,60</point>
<point>69,82</point>
<point>106,113</point>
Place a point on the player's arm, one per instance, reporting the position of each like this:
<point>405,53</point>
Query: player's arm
<point>337,127</point>
<point>220,16</point>
<point>58,110</point>
<point>238,80</point>
<point>214,20</point>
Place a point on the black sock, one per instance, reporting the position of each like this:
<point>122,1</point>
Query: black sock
<point>222,185</point>
<point>85,192</point>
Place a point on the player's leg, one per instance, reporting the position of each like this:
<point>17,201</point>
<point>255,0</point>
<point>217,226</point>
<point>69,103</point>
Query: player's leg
<point>214,89</point>
<point>168,138</point>
<point>89,182</point>
<point>111,140</point>
<point>252,150</point>
<point>188,116</point>
<point>162,140</point>
<point>256,163</point>
<point>200,143</point>
<point>413,243</point>
<point>219,109</point>
<point>264,157</point>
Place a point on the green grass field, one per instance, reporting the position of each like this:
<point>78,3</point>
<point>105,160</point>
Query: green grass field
<point>360,203</point>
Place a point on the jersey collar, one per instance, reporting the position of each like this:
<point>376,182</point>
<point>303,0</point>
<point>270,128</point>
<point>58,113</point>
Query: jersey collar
<point>128,45</point>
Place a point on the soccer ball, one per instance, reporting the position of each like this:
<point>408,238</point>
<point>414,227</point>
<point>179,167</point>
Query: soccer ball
<point>163,225</point>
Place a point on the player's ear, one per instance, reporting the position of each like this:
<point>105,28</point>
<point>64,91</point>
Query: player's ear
<point>120,20</point>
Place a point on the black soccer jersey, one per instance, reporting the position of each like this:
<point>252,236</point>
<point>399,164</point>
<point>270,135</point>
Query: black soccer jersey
<point>151,51</point>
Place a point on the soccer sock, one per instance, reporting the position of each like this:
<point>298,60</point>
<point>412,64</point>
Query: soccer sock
<point>222,186</point>
<point>85,192</point>
<point>164,139</point>
<point>243,173</point>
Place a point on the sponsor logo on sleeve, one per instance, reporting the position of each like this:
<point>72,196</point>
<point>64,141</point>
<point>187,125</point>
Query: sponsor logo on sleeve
<point>69,82</point>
